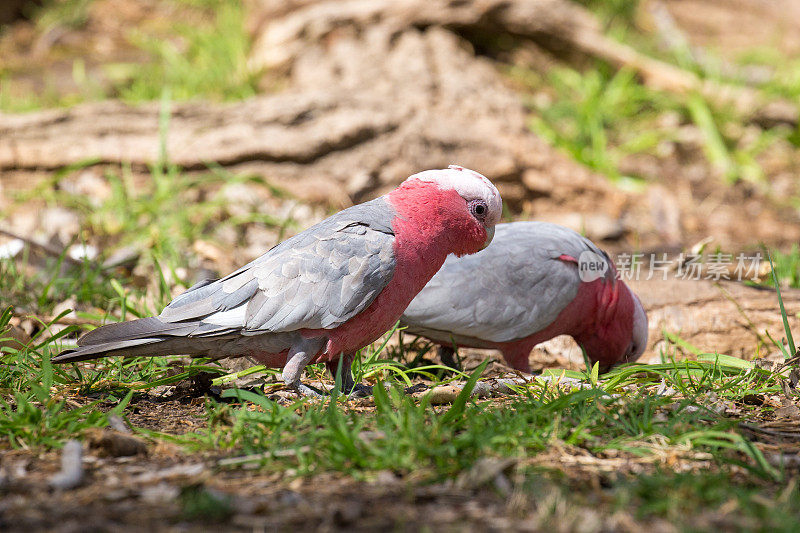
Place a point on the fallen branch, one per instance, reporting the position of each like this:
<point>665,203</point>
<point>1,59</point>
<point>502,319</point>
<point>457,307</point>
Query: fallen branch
<point>446,394</point>
<point>46,248</point>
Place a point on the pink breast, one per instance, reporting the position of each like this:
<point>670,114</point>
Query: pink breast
<point>417,262</point>
<point>431,224</point>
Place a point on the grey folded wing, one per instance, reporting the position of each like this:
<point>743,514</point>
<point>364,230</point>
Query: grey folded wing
<point>319,278</point>
<point>514,288</point>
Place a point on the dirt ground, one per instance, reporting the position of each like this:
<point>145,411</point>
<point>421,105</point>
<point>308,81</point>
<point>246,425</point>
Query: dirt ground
<point>164,487</point>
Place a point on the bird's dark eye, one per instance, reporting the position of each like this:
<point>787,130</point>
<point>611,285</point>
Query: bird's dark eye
<point>478,208</point>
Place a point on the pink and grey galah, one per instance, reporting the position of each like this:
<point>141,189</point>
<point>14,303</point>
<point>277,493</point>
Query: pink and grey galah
<point>324,293</point>
<point>535,282</point>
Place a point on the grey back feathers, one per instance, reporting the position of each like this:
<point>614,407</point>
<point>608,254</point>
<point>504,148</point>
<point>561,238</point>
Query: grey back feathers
<point>320,278</point>
<point>514,288</point>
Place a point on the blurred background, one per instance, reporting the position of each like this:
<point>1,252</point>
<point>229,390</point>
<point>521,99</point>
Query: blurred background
<point>146,144</point>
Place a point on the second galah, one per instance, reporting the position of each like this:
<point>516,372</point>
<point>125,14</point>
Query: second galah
<point>324,293</point>
<point>535,282</point>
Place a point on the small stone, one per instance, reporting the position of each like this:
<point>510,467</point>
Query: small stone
<point>160,493</point>
<point>788,411</point>
<point>89,184</point>
<point>347,513</point>
<point>60,224</point>
<point>79,252</point>
<point>123,258</point>
<point>483,471</point>
<point>111,443</point>
<point>443,394</point>
<point>67,305</point>
<point>13,337</point>
<point>11,249</point>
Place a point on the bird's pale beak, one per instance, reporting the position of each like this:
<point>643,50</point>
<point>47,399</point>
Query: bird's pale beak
<point>489,236</point>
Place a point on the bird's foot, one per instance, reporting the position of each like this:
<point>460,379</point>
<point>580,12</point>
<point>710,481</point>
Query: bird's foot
<point>419,387</point>
<point>308,391</point>
<point>357,391</point>
<point>365,391</point>
<point>360,390</point>
<point>447,355</point>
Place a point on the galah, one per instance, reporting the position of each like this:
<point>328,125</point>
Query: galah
<point>324,293</point>
<point>535,282</point>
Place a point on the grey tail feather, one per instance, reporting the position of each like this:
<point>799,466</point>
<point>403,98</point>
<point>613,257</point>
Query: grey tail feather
<point>136,347</point>
<point>144,347</point>
<point>136,329</point>
<point>142,337</point>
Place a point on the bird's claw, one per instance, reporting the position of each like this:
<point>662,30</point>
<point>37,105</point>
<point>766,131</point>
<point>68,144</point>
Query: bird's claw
<point>365,391</point>
<point>308,391</point>
<point>357,391</point>
<point>360,391</point>
<point>447,355</point>
<point>419,387</point>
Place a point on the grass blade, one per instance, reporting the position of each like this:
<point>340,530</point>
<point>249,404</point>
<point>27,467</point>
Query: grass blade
<point>786,329</point>
<point>460,403</point>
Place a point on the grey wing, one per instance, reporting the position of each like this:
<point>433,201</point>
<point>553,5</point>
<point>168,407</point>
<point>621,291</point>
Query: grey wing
<point>517,286</point>
<point>319,278</point>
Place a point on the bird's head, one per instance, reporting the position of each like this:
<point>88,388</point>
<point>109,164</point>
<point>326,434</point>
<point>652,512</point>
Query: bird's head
<point>457,204</point>
<point>620,335</point>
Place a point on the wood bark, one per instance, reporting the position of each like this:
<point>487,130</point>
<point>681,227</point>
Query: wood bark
<point>724,317</point>
<point>367,103</point>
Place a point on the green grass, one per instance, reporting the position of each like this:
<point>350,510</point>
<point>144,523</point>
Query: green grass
<point>785,79</point>
<point>40,289</point>
<point>156,220</point>
<point>787,267</point>
<point>160,219</point>
<point>52,14</point>
<point>643,412</point>
<point>405,435</point>
<point>600,116</point>
<point>207,60</point>
<point>597,116</point>
<point>30,413</point>
<point>201,53</point>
